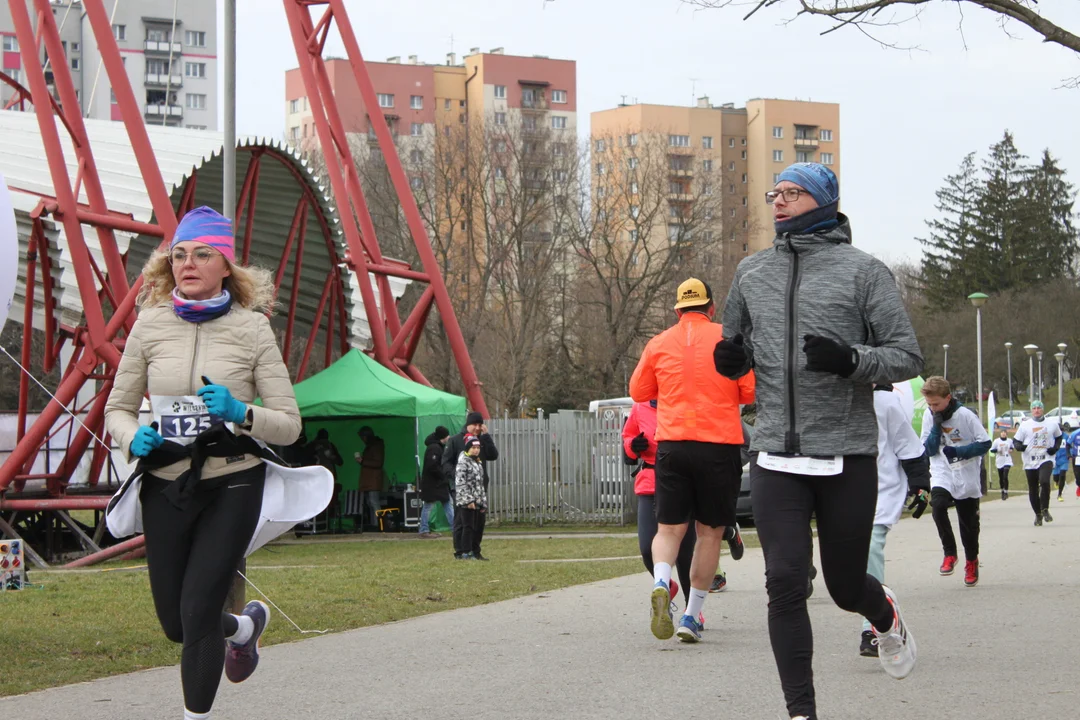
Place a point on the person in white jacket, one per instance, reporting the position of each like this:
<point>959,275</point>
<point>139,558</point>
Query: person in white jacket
<point>1002,450</point>
<point>955,442</point>
<point>902,470</point>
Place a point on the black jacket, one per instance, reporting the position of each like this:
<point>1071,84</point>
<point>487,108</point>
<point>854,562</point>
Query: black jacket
<point>434,486</point>
<point>456,445</point>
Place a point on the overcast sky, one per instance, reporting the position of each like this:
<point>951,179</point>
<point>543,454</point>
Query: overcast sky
<point>907,117</point>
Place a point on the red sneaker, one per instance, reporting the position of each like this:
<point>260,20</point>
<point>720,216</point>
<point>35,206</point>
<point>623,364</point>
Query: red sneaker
<point>971,573</point>
<point>948,565</point>
<point>674,588</point>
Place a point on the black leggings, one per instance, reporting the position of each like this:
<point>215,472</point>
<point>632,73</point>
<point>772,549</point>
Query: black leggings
<point>844,505</point>
<point>1039,487</point>
<point>1003,477</point>
<point>646,531</point>
<point>1059,480</point>
<point>192,556</point>
<point>967,515</point>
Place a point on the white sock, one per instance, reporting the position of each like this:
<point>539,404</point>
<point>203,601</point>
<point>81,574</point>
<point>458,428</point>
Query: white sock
<point>244,629</point>
<point>662,573</point>
<point>697,601</point>
<point>188,715</point>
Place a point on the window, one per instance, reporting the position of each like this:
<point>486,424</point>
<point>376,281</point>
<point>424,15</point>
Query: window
<point>500,118</point>
<point>600,146</point>
<point>706,165</point>
<point>195,70</point>
<point>706,142</point>
<point>778,156</point>
<point>74,47</point>
<point>195,127</point>
<point>743,154</point>
<point>731,190</point>
<point>732,212</point>
<point>775,178</point>
<point>500,146</point>
<point>673,233</point>
<point>194,38</point>
<point>708,236</point>
<point>416,183</point>
<point>558,149</point>
<point>15,75</point>
<point>744,201</point>
<point>294,105</point>
<point>558,96</point>
<point>634,235</point>
<point>600,170</point>
<point>74,63</point>
<point>500,173</point>
<point>803,156</point>
<point>500,92</point>
<point>446,131</point>
<point>825,135</point>
<point>706,189</point>
<point>196,101</point>
<point>675,188</point>
<point>386,100</point>
<point>744,225</point>
<point>558,122</point>
<point>461,118</point>
<point>777,132</point>
<point>731,142</point>
<point>446,104</point>
<point>744,178</point>
<point>416,102</point>
<point>731,166</point>
<point>632,163</point>
<point>119,32</point>
<point>562,176</point>
<point>601,192</point>
<point>416,157</point>
<point>500,200</point>
<point>294,132</point>
<point>415,129</point>
<point>826,158</point>
<point>674,212</point>
<point>679,140</point>
<point>633,188</point>
<point>631,139</point>
<point>11,43</point>
<point>744,247</point>
<point>529,122</point>
<point>461,103</point>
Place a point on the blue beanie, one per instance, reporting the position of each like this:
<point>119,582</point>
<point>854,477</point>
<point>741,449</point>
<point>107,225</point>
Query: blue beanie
<point>816,179</point>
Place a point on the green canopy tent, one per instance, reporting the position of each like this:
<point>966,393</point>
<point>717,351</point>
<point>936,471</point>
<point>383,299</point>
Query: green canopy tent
<point>357,391</point>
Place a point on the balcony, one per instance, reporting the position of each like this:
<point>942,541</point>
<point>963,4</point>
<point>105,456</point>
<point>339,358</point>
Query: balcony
<point>172,111</point>
<point>806,142</point>
<point>539,105</point>
<point>175,80</point>
<point>680,171</point>
<point>163,46</point>
<point>680,197</point>
<point>534,185</point>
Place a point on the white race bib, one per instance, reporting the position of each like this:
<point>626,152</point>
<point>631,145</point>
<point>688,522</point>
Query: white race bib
<point>181,418</point>
<point>802,464</point>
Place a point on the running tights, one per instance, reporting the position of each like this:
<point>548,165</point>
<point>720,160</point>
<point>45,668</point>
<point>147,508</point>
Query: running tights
<point>646,531</point>
<point>1003,477</point>
<point>1039,487</point>
<point>192,555</point>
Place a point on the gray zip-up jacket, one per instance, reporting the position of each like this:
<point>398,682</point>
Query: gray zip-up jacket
<point>819,284</point>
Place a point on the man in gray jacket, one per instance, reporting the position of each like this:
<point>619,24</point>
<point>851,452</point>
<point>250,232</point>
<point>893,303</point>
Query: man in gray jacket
<point>819,322</point>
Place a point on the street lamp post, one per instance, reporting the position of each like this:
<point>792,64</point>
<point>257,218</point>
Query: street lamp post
<point>1031,350</point>
<point>1008,351</point>
<point>1061,369</point>
<point>1039,355</point>
<point>945,371</point>
<point>1060,357</point>
<point>978,300</point>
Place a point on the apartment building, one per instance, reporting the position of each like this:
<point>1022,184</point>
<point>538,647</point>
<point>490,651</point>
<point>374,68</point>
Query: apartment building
<point>171,60</point>
<point>725,156</point>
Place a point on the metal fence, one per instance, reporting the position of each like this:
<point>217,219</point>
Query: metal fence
<point>562,468</point>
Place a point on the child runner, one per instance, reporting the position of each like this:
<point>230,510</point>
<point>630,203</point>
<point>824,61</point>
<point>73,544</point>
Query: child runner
<point>1002,450</point>
<point>902,469</point>
<point>955,441</point>
<point>1038,439</point>
<point>1061,462</point>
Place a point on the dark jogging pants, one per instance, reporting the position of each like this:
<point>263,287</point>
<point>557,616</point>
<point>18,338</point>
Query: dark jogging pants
<point>967,515</point>
<point>1039,487</point>
<point>646,531</point>
<point>844,505</point>
<point>191,557</point>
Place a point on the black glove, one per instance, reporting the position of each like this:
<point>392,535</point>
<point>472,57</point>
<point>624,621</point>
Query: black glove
<point>939,418</point>
<point>919,503</point>
<point>827,355</point>
<point>950,453</point>
<point>729,357</point>
<point>639,444</point>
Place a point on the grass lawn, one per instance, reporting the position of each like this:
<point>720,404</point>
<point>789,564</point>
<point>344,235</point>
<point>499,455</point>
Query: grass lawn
<point>83,625</point>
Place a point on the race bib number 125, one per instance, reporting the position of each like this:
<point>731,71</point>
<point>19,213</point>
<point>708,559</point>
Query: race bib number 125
<point>181,418</point>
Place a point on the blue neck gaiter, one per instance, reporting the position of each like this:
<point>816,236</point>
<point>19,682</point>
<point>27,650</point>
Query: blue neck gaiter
<point>820,218</point>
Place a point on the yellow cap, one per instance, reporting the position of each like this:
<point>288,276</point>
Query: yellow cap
<point>693,293</point>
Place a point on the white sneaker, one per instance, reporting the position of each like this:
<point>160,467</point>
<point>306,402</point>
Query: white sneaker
<point>800,717</point>
<point>896,648</point>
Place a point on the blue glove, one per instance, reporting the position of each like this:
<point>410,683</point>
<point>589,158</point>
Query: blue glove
<point>220,402</point>
<point>950,453</point>
<point>146,440</point>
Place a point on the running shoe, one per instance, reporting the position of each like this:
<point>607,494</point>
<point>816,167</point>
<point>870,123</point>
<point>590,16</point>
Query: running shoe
<point>701,620</point>
<point>1038,521</point>
<point>1061,499</point>
<point>1047,517</point>
<point>896,647</point>
<point>868,646</point>
<point>719,583</point>
<point>1004,495</point>
<point>242,659</point>
<point>734,542</point>
<point>689,629</point>
<point>948,565</point>
<point>971,573</point>
<point>660,600</point>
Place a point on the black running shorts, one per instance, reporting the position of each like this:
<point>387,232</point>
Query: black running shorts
<point>697,481</point>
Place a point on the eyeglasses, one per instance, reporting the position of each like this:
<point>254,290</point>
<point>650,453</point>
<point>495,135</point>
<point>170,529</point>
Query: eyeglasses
<point>199,256</point>
<point>790,195</point>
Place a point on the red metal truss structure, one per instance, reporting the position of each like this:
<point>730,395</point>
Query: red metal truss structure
<point>108,299</point>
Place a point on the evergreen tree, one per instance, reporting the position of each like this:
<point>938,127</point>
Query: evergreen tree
<point>1051,234</point>
<point>1005,218</point>
<point>952,253</point>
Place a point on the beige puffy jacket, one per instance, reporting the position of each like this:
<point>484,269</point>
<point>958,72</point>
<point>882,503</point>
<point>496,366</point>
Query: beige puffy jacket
<point>168,356</point>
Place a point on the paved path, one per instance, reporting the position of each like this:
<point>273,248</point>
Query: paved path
<point>1003,650</point>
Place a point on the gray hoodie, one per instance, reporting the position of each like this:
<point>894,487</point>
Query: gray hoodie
<point>818,284</point>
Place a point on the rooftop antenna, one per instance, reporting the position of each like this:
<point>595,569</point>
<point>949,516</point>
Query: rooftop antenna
<point>693,91</point>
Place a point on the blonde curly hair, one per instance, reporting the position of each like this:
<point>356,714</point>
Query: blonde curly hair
<point>251,287</point>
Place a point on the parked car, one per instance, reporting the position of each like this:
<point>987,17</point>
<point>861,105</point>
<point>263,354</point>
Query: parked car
<point>1009,419</point>
<point>1070,414</point>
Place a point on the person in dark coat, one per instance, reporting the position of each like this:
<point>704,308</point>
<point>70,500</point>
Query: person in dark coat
<point>434,486</point>
<point>474,425</point>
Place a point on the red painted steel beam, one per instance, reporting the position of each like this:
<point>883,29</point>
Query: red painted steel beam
<point>291,322</point>
<point>314,328</point>
<point>97,502</point>
<point>415,321</point>
<point>110,552</point>
<point>299,217</point>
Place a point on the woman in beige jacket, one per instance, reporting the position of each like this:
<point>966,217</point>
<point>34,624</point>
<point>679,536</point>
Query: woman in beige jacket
<point>203,349</point>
